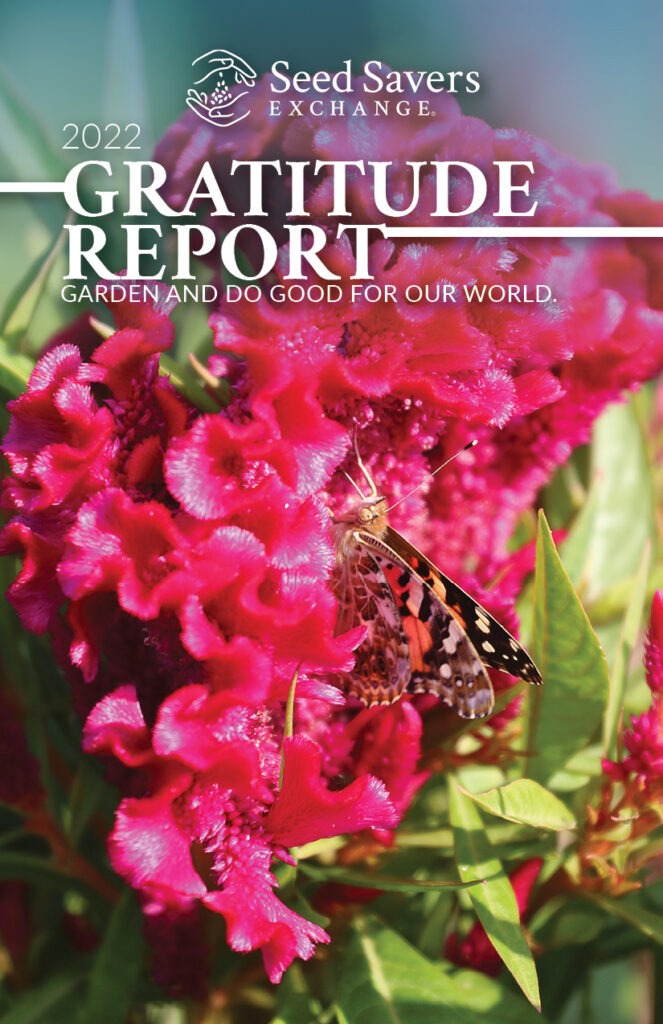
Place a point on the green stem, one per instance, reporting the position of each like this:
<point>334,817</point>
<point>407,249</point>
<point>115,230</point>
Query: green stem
<point>289,727</point>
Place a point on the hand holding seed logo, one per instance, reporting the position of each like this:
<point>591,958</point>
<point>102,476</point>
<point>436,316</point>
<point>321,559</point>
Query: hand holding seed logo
<point>228,78</point>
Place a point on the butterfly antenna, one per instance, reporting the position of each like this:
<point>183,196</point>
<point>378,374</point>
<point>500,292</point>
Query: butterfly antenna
<point>430,476</point>
<point>372,489</point>
<point>353,482</point>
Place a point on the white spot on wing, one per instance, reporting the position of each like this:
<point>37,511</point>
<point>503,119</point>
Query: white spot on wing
<point>450,644</point>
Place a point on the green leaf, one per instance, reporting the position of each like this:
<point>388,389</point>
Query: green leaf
<point>434,838</point>
<point>566,922</point>
<point>490,1002</point>
<point>185,381</point>
<point>493,900</point>
<point>23,303</point>
<point>527,803</point>
<point>384,978</point>
<point>54,1002</point>
<point>296,1004</point>
<point>622,519</point>
<point>15,370</point>
<point>89,793</point>
<point>578,770</point>
<point>562,715</point>
<point>376,881</point>
<point>117,966</point>
<point>627,640</point>
<point>645,921</point>
<point>27,867</point>
<point>573,550</point>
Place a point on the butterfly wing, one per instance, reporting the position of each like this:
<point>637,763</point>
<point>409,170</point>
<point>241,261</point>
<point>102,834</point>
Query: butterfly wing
<point>443,659</point>
<point>495,645</point>
<point>382,661</point>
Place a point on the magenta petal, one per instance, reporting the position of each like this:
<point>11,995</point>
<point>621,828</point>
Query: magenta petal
<point>148,848</point>
<point>210,732</point>
<point>256,918</point>
<point>306,810</point>
<point>115,726</point>
<point>117,544</point>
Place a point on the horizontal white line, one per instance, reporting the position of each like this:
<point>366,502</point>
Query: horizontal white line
<point>31,186</point>
<point>519,232</point>
<point>430,232</point>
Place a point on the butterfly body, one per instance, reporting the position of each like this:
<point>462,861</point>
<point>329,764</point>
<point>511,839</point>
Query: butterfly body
<point>424,634</point>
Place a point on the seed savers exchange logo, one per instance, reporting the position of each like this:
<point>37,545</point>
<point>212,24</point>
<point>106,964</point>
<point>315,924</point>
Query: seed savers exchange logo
<point>228,79</point>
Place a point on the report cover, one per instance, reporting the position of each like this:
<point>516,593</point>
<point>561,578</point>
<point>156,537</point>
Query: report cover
<point>332,653</point>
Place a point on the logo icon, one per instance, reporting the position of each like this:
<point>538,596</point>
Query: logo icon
<point>228,79</point>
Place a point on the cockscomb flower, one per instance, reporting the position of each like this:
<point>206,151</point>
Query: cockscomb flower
<point>415,380</point>
<point>643,740</point>
<point>654,647</point>
<point>215,814</point>
<point>181,563</point>
<point>632,794</point>
<point>184,547</point>
<point>181,560</point>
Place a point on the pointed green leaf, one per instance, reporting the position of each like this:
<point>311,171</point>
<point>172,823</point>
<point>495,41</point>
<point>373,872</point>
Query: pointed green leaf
<point>384,978</point>
<point>375,880</point>
<point>491,1002</point>
<point>625,645</point>
<point>623,519</point>
<point>89,794</point>
<point>574,548</point>
<point>24,141</point>
<point>20,309</point>
<point>15,370</point>
<point>185,381</point>
<point>116,967</point>
<point>28,867</point>
<point>562,715</point>
<point>527,803</point>
<point>564,921</point>
<point>650,924</point>
<point>493,900</point>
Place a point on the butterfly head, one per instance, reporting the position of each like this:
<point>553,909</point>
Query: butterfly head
<point>367,514</point>
<point>370,512</point>
<point>371,515</point>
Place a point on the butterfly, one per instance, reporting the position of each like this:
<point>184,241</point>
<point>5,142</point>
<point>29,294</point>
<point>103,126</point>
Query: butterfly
<point>423,633</point>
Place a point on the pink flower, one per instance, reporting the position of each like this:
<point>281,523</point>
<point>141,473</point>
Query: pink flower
<point>654,646</point>
<point>643,762</point>
<point>185,549</point>
<point>65,446</point>
<point>181,561</point>
<point>416,380</point>
<point>215,790</point>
